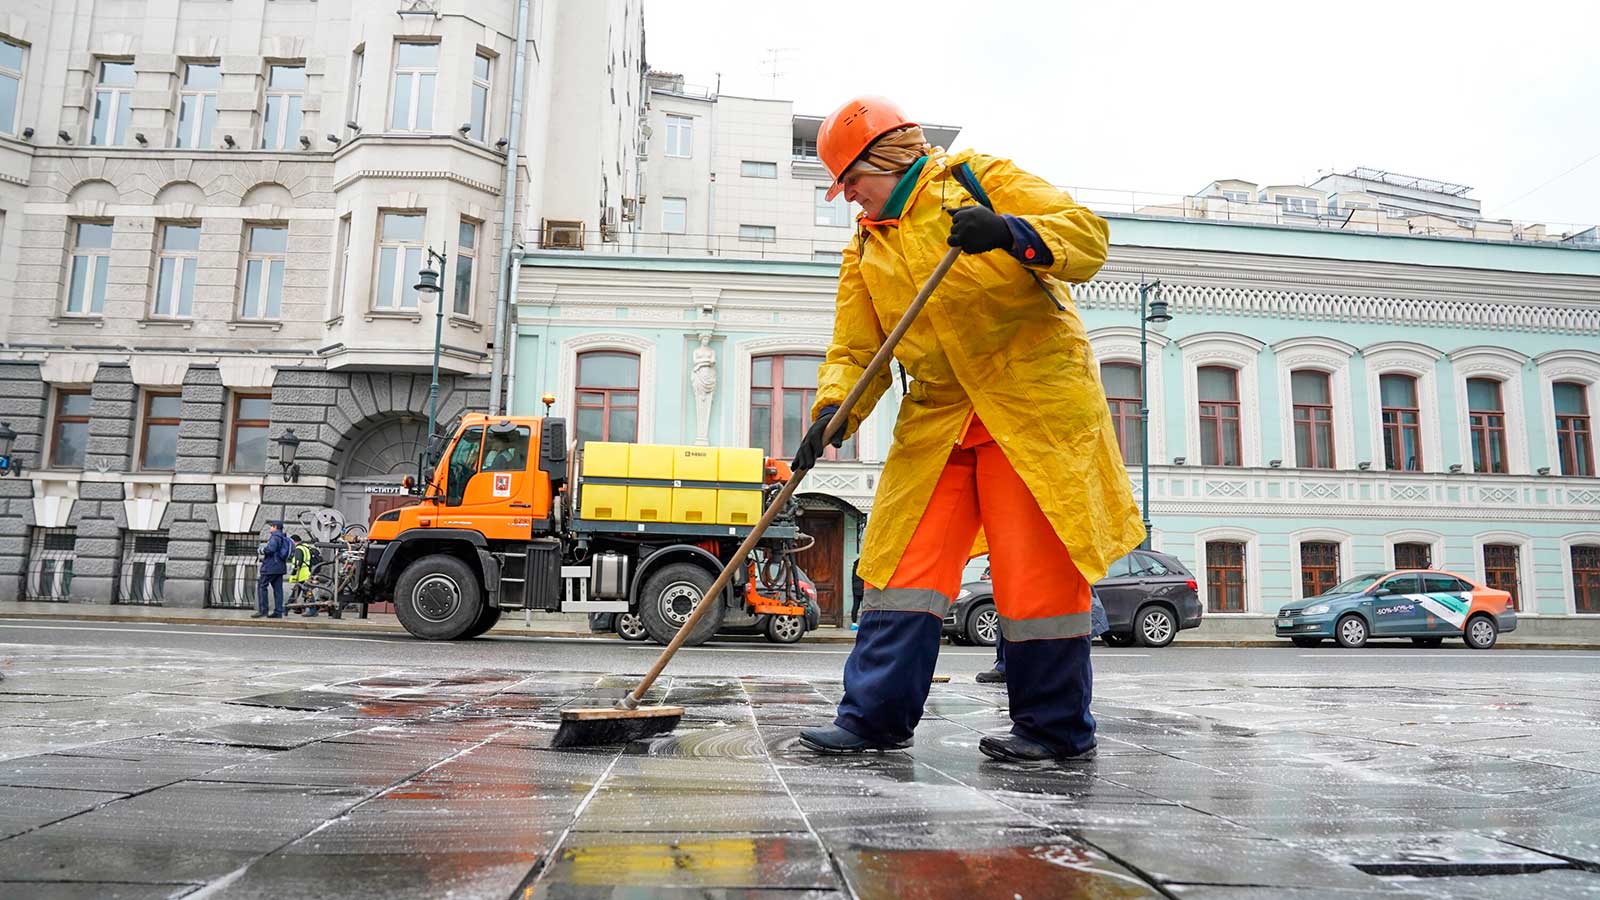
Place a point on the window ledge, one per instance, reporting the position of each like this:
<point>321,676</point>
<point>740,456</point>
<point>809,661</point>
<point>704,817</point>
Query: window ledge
<point>379,314</point>
<point>273,325</point>
<point>333,322</point>
<point>463,322</point>
<point>185,324</point>
<point>96,321</point>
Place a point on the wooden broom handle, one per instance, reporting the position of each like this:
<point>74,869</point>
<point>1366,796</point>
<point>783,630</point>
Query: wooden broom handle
<point>835,425</point>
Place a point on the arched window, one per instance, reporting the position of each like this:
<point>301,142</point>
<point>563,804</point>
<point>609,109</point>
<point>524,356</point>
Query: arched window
<point>1487,416</point>
<point>1402,423</point>
<point>1220,442</point>
<point>607,400</point>
<point>1313,419</point>
<point>1121,382</point>
<point>783,388</point>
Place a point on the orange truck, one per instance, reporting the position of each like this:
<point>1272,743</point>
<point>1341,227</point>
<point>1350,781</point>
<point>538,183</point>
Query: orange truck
<point>514,517</point>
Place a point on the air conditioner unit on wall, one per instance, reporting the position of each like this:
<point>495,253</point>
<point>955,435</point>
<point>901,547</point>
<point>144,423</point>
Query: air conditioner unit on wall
<point>630,209</point>
<point>608,224</point>
<point>561,234</point>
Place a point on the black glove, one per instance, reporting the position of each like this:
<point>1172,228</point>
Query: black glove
<point>811,445</point>
<point>976,229</point>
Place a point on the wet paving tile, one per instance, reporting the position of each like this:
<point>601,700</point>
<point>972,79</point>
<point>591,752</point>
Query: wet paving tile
<point>26,808</point>
<point>268,735</point>
<point>120,775</point>
<point>1435,855</point>
<point>1577,844</point>
<point>393,876</point>
<point>687,860</point>
<point>94,890</point>
<point>678,810</point>
<point>1177,856</point>
<point>405,821</point>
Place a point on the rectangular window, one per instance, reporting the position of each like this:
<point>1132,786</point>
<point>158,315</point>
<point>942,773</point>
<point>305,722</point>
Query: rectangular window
<point>399,260</point>
<point>1220,440</point>
<point>265,256</point>
<point>112,92</point>
<point>234,569</point>
<point>766,234</point>
<point>1501,570</point>
<point>358,75</point>
<point>804,149</point>
<point>680,136</point>
<point>1121,382</point>
<point>10,84</point>
<point>1236,196</point>
<point>827,256</point>
<point>1304,206</point>
<point>247,441</point>
<point>782,391</point>
<point>1402,428</point>
<point>1487,418</point>
<point>143,574</point>
<point>1319,567</point>
<point>158,436</point>
<point>180,256</point>
<point>197,103</point>
<point>832,212</point>
<point>51,555</point>
<point>1586,577</point>
<point>1224,576</point>
<point>466,258</point>
<point>754,169</point>
<point>69,443</point>
<point>342,285</point>
<point>608,396</point>
<point>1413,555</point>
<point>1574,436</point>
<point>1313,420</point>
<point>481,65</point>
<point>416,67</point>
<point>91,263</point>
<point>674,215</point>
<point>286,88</point>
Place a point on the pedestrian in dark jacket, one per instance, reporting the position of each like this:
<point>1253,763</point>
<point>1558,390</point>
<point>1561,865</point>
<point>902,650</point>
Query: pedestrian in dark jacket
<point>274,563</point>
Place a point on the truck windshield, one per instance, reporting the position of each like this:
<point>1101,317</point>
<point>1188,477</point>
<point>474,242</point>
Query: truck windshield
<point>506,451</point>
<point>463,465</point>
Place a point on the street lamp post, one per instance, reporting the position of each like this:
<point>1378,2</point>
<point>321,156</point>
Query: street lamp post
<point>428,286</point>
<point>1154,315</point>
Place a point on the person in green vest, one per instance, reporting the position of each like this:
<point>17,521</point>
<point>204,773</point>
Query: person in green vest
<point>300,563</point>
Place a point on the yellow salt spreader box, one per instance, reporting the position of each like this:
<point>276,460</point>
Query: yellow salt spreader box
<point>694,505</point>
<point>740,464</point>
<point>646,502</point>
<point>605,502</point>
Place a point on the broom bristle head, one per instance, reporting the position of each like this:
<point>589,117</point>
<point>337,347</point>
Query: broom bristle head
<point>595,727</point>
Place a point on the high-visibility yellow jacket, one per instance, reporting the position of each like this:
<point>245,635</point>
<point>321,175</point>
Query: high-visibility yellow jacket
<point>990,342</point>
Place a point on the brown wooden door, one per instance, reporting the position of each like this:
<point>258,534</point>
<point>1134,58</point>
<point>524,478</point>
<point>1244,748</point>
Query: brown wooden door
<point>824,562</point>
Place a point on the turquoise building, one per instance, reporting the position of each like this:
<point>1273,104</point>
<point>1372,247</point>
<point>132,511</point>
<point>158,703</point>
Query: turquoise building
<point>1321,403</point>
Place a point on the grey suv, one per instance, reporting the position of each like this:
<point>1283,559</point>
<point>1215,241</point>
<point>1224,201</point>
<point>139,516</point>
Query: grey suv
<point>1148,597</point>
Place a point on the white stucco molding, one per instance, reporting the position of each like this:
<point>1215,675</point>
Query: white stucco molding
<point>1504,366</point>
<point>1236,351</point>
<point>158,371</point>
<point>1312,535</point>
<point>53,496</point>
<point>145,499</point>
<point>238,501</point>
<point>1120,344</point>
<point>1252,565</point>
<point>1331,357</point>
<point>1524,545</point>
<point>1433,539</point>
<point>242,373</point>
<point>567,376</point>
<point>1568,590</point>
<point>69,368</point>
<point>1419,361</point>
<point>1580,366</point>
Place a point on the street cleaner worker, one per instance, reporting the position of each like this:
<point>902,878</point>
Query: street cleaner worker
<point>1004,441</point>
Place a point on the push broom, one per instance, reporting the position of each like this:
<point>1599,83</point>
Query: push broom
<point>627,720</point>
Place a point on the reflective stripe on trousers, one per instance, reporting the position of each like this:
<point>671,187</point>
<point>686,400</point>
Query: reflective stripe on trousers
<point>906,600</point>
<point>1048,628</point>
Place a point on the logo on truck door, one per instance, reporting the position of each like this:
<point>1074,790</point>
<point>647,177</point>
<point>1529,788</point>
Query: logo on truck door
<point>502,484</point>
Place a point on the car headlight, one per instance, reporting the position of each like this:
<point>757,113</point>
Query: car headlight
<point>1317,610</point>
<point>963,594</point>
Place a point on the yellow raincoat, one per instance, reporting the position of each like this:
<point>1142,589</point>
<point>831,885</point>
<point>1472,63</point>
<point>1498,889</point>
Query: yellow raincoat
<point>989,341</point>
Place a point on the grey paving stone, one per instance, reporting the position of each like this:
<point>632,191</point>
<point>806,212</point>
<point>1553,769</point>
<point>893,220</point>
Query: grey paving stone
<point>25,808</point>
<point>688,860</point>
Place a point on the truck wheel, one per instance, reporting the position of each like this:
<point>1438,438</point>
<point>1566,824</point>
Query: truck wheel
<point>785,629</point>
<point>486,621</point>
<point>438,598</point>
<point>631,628</point>
<point>669,596</point>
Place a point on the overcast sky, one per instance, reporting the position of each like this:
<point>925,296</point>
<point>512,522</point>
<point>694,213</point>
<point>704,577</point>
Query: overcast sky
<point>1163,97</point>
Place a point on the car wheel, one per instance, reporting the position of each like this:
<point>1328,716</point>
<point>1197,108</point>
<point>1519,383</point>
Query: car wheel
<point>785,629</point>
<point>1113,639</point>
<point>1155,626</point>
<point>983,625</point>
<point>1306,641</point>
<point>670,595</point>
<point>631,628</point>
<point>1481,632</point>
<point>1351,631</point>
<point>438,598</point>
<point>1427,642</point>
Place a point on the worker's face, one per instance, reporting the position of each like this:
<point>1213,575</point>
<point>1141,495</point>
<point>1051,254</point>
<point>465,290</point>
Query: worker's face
<point>870,190</point>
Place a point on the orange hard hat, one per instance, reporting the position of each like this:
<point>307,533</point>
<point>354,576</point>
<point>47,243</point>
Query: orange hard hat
<point>849,130</point>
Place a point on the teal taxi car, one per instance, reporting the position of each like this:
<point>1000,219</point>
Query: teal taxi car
<point>1426,606</point>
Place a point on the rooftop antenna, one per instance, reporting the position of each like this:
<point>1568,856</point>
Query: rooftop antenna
<point>776,57</point>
